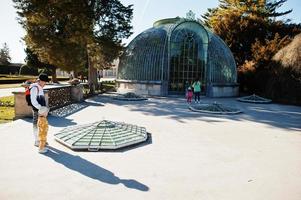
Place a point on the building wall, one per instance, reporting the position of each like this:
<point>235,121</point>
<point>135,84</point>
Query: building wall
<point>152,89</point>
<point>109,73</point>
<point>222,90</point>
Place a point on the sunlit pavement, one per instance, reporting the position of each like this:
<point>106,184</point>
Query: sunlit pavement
<point>251,156</point>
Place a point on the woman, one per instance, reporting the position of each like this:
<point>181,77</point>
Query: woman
<point>197,90</point>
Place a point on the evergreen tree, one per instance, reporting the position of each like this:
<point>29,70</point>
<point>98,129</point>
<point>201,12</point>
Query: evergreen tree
<point>4,55</point>
<point>240,22</point>
<point>32,61</point>
<point>254,35</point>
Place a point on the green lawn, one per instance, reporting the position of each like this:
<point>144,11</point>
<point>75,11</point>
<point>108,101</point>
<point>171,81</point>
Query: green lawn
<point>17,77</point>
<point>7,110</point>
<point>13,85</point>
<point>7,114</point>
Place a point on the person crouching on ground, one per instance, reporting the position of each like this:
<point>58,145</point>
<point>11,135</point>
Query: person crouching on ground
<point>43,128</point>
<point>38,101</point>
<point>189,95</point>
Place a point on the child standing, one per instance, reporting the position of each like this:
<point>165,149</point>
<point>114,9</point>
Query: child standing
<point>189,95</point>
<point>43,128</point>
<point>37,100</point>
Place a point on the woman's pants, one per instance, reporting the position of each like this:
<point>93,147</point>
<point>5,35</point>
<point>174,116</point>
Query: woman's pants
<point>197,96</point>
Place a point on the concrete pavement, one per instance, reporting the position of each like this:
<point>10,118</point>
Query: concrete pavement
<point>251,156</point>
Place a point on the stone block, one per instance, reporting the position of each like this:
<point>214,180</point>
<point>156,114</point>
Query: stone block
<point>21,108</point>
<point>77,93</point>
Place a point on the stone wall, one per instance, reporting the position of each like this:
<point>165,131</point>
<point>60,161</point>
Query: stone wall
<point>56,96</point>
<point>141,88</point>
<point>222,90</point>
<point>156,88</point>
<point>21,107</point>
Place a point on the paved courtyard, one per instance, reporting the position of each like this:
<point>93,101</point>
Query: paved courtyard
<point>190,156</point>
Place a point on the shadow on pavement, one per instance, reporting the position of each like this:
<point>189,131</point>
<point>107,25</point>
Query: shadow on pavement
<point>60,121</point>
<point>277,115</point>
<point>89,169</point>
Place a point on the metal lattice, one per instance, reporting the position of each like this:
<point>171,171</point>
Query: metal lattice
<point>254,99</point>
<point>177,50</point>
<point>129,96</point>
<point>101,135</point>
<point>214,108</point>
<point>59,97</point>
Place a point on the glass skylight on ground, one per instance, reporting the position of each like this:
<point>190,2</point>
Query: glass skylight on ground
<point>214,108</point>
<point>130,96</point>
<point>254,99</point>
<point>101,135</point>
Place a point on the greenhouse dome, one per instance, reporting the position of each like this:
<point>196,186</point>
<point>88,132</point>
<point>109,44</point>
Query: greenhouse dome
<point>162,59</point>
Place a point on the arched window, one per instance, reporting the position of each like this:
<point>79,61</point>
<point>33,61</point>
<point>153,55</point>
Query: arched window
<point>187,56</point>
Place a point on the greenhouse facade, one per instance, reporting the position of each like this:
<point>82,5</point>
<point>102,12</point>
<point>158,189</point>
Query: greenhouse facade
<point>174,52</point>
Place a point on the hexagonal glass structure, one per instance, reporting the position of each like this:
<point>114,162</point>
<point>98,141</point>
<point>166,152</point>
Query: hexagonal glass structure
<point>101,135</point>
<point>161,59</point>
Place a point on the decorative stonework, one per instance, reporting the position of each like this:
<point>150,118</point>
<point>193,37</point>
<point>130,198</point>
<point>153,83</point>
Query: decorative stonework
<point>190,15</point>
<point>59,97</point>
<point>66,110</point>
<point>56,97</point>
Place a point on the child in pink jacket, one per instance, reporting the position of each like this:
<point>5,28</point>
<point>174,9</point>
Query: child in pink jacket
<point>189,95</point>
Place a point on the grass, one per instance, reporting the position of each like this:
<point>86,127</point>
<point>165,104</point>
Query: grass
<point>108,86</point>
<point>7,101</point>
<point>7,76</point>
<point>7,110</point>
<point>14,85</point>
<point>17,77</point>
<point>7,114</point>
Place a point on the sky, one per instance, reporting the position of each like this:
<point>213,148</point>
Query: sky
<point>146,12</point>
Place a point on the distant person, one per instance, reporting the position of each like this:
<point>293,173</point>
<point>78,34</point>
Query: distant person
<point>81,78</point>
<point>70,77</point>
<point>38,101</point>
<point>189,95</point>
<point>187,85</point>
<point>197,90</point>
<point>98,76</point>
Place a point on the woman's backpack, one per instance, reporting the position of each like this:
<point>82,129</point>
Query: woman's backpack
<point>27,95</point>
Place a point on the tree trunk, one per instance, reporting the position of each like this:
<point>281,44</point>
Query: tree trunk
<point>54,78</point>
<point>92,77</point>
<point>75,75</point>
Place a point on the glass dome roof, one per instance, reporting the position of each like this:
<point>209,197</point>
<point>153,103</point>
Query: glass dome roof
<point>176,50</point>
<point>221,62</point>
<point>144,56</point>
